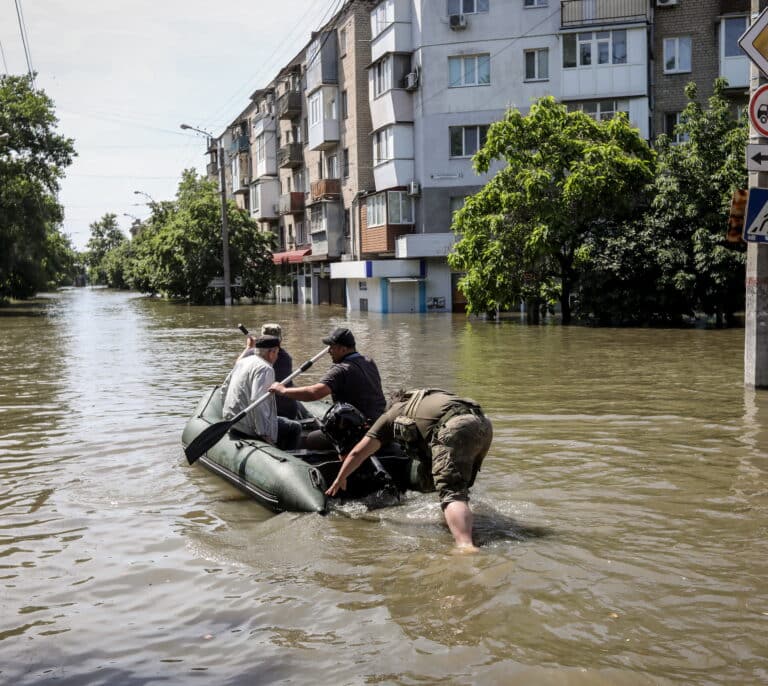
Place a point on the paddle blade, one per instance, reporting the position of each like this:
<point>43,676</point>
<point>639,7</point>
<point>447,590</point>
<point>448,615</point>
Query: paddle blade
<point>207,439</point>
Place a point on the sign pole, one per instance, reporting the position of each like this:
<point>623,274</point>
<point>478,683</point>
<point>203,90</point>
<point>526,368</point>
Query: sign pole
<point>756,305</point>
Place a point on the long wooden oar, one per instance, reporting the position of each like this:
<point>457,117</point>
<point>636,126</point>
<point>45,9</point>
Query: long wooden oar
<point>215,432</point>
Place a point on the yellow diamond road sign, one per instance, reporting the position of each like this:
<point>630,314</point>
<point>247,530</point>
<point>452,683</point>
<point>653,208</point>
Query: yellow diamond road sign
<point>754,41</point>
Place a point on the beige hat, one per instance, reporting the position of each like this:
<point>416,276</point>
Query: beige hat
<point>272,330</point>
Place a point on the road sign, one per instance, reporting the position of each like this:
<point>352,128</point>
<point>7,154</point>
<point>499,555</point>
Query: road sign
<point>758,110</point>
<point>757,157</point>
<point>754,41</point>
<point>756,226</point>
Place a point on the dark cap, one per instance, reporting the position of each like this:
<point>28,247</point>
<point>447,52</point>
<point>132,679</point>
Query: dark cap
<point>340,336</point>
<point>267,342</point>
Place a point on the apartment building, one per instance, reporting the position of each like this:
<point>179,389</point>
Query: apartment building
<point>697,41</point>
<point>359,151</point>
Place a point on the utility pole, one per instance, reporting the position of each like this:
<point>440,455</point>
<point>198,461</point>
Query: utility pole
<point>224,225</point>
<point>756,301</point>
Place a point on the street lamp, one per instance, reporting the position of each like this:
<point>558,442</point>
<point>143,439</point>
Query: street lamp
<point>146,195</point>
<point>224,227</point>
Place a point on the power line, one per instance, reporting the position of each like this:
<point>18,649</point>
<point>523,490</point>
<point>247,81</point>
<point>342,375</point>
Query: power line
<point>24,41</point>
<point>5,64</point>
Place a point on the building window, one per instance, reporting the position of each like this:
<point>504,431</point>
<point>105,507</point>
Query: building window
<point>677,55</point>
<point>400,208</point>
<point>537,64</point>
<point>315,108</point>
<point>671,121</point>
<point>382,146</point>
<point>594,47</point>
<point>382,76</point>
<point>301,234</point>
<point>474,70</point>
<point>733,27</point>
<point>456,203</point>
<point>347,224</point>
<point>601,110</point>
<point>467,6</point>
<point>382,16</point>
<point>261,148</point>
<point>332,166</point>
<point>535,3</point>
<point>376,206</point>
<point>255,198</point>
<point>316,221</point>
<point>362,285</point>
<point>343,42</point>
<point>467,140</point>
<point>344,105</point>
<point>345,163</point>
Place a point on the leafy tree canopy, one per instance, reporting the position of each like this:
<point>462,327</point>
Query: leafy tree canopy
<point>33,157</point>
<point>563,176</point>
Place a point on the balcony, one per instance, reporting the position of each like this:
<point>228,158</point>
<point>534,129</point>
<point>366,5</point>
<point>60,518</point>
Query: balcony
<point>212,170</point>
<point>576,13</point>
<point>291,203</point>
<point>241,185</point>
<point>325,189</point>
<point>239,144</point>
<point>290,156</point>
<point>289,105</point>
<point>383,239</point>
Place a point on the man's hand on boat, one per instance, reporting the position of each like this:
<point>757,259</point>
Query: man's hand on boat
<point>362,451</point>
<point>277,388</point>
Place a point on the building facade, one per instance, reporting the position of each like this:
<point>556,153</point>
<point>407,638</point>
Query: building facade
<point>359,151</point>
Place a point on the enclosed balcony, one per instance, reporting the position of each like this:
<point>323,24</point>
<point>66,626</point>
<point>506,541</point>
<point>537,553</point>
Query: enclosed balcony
<point>239,144</point>
<point>290,156</point>
<point>289,105</point>
<point>326,231</point>
<point>325,189</point>
<point>576,13</point>
<point>323,131</point>
<point>212,170</point>
<point>291,203</point>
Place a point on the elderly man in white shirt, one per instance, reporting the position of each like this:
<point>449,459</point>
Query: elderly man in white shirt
<point>249,379</point>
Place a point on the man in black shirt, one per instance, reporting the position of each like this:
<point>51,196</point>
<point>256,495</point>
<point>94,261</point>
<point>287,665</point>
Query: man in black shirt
<point>353,378</point>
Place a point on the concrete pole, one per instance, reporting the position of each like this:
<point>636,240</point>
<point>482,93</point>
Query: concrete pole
<point>224,227</point>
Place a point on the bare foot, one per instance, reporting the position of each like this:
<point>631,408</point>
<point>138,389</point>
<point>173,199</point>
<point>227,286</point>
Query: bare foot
<point>466,549</point>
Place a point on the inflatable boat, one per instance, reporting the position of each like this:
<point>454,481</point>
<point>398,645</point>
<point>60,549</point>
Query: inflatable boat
<point>295,480</point>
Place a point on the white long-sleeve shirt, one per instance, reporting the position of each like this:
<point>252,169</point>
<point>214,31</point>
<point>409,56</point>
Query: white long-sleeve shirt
<point>250,378</point>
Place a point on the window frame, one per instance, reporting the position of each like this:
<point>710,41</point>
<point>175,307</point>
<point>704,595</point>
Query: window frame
<point>459,6</point>
<point>536,53</point>
<point>677,41</point>
<point>398,200</point>
<point>586,49</point>
<point>481,131</point>
<point>479,59</point>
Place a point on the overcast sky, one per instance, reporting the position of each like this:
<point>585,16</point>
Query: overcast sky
<point>123,74</point>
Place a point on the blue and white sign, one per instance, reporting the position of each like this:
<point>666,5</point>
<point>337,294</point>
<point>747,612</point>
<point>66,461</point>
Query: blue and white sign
<point>756,224</point>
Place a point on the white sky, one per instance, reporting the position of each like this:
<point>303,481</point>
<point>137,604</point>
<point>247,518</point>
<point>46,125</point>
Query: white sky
<point>123,74</point>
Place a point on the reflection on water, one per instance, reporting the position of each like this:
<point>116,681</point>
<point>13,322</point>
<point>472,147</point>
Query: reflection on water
<point>622,511</point>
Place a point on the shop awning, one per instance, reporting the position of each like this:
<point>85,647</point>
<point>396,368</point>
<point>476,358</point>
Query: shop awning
<point>291,256</point>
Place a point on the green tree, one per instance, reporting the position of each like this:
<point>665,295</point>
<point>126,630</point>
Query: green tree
<point>692,197</point>
<point>33,158</point>
<point>564,176</point>
<point>179,250</point>
<point>106,237</point>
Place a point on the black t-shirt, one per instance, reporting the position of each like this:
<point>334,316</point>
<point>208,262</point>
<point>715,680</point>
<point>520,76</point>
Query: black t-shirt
<point>356,380</point>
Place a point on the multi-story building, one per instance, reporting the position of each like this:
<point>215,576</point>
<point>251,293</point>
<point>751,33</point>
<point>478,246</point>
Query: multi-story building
<point>359,152</point>
<point>696,41</point>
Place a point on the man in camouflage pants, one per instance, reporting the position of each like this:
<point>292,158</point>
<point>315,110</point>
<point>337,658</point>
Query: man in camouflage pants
<point>449,435</point>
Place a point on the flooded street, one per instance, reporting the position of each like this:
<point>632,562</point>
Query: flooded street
<point>622,511</point>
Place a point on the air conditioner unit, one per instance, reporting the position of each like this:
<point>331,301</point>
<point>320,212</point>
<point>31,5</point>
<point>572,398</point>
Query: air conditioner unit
<point>414,188</point>
<point>666,3</point>
<point>411,81</point>
<point>457,22</point>
<point>244,181</point>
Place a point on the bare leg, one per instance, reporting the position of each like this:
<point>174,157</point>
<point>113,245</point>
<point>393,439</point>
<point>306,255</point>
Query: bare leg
<point>458,516</point>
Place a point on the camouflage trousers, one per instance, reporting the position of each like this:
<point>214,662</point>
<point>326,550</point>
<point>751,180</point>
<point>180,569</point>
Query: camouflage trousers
<point>457,451</point>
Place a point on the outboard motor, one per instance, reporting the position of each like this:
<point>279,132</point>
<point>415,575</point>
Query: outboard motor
<point>344,425</point>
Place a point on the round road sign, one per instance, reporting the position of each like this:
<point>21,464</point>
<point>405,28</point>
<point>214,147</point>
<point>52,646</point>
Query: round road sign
<point>758,110</point>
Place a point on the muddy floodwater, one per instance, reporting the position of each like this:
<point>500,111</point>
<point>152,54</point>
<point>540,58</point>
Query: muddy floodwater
<point>622,512</point>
